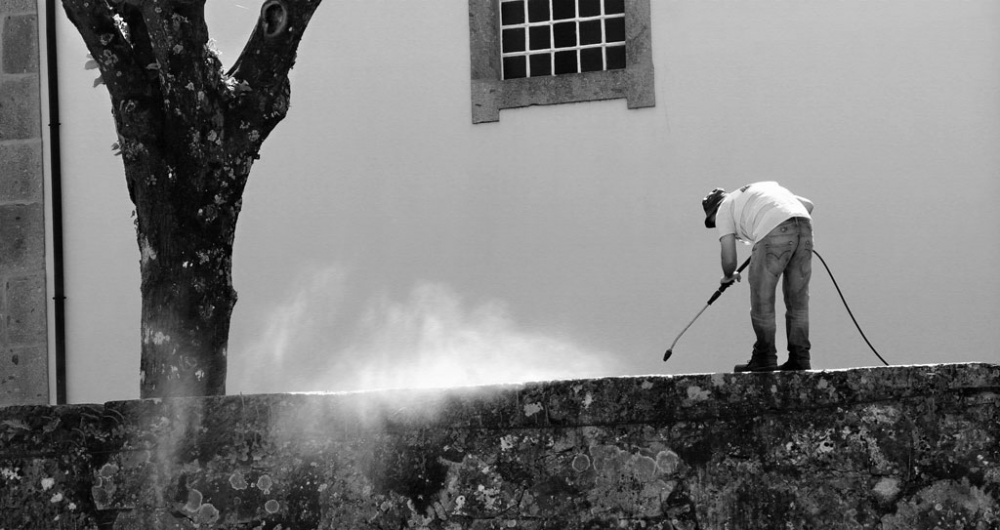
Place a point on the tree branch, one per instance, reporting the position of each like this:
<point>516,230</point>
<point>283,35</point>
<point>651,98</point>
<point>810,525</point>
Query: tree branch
<point>269,55</point>
<point>96,23</point>
<point>138,35</point>
<point>270,52</point>
<point>178,36</point>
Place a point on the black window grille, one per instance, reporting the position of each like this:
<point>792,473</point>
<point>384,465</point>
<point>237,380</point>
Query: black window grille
<point>555,37</point>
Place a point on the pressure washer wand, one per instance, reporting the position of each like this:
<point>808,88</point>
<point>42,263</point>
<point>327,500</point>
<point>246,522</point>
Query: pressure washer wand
<point>715,296</point>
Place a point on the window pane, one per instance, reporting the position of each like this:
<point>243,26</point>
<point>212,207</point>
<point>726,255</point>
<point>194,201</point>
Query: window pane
<point>614,30</point>
<point>552,28</point>
<point>538,10</point>
<point>562,9</point>
<point>614,7</point>
<point>590,32</point>
<point>565,34</point>
<point>591,59</point>
<point>512,13</point>
<point>513,40</point>
<point>590,8</point>
<point>566,62</point>
<point>541,64</point>
<point>514,67</point>
<point>540,38</point>
<point>616,57</point>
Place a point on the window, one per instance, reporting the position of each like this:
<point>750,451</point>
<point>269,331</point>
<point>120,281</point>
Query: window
<point>543,52</point>
<point>556,37</point>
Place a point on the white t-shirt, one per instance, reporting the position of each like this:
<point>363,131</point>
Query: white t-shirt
<point>755,209</point>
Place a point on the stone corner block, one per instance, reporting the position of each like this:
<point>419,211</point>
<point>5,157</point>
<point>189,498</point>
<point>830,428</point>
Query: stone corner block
<point>20,44</point>
<point>22,172</point>
<point>22,237</point>
<point>24,378</point>
<point>20,108</point>
<point>26,308</point>
<point>18,6</point>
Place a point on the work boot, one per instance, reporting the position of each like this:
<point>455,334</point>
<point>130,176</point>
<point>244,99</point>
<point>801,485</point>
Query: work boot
<point>793,365</point>
<point>756,365</point>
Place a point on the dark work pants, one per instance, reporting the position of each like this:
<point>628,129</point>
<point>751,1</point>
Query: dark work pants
<point>784,253</point>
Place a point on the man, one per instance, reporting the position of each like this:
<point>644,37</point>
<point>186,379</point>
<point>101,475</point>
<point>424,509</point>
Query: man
<point>779,226</point>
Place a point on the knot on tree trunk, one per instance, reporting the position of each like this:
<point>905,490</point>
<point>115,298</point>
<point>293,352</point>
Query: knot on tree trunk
<point>273,18</point>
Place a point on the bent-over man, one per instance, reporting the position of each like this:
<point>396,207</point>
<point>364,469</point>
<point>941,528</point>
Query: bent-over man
<point>779,226</point>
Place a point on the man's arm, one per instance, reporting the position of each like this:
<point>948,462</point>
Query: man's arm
<point>728,243</point>
<point>807,203</point>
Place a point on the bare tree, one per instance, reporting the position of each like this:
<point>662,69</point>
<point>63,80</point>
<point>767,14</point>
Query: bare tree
<point>189,133</point>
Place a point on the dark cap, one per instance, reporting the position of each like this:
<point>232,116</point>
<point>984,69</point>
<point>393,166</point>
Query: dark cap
<point>711,204</point>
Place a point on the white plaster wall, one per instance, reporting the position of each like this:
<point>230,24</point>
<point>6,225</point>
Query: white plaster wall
<point>387,241</point>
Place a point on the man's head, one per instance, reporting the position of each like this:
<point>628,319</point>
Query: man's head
<point>711,204</point>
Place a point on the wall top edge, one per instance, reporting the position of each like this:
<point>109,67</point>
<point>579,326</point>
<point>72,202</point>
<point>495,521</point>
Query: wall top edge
<point>569,403</point>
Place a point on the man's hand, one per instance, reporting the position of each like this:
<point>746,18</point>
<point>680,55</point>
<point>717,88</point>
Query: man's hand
<point>730,279</point>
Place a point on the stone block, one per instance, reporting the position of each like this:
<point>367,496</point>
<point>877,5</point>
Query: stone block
<point>10,7</point>
<point>21,177</point>
<point>22,237</point>
<point>20,44</point>
<point>20,111</point>
<point>3,320</point>
<point>25,315</point>
<point>24,378</point>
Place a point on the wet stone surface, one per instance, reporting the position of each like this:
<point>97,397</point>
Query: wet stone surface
<point>887,448</point>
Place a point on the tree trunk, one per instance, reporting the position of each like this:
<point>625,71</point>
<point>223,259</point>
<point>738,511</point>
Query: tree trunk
<point>186,247</point>
<point>188,134</point>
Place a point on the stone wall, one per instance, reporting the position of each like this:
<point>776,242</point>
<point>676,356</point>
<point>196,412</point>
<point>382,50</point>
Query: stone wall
<point>23,335</point>
<point>888,448</point>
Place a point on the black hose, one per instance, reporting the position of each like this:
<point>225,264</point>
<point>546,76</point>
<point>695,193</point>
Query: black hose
<point>848,307</point>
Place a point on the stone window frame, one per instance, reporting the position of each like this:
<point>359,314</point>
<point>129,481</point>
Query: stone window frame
<point>491,93</point>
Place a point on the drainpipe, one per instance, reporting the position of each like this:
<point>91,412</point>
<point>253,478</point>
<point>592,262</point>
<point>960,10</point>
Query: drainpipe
<point>55,186</point>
